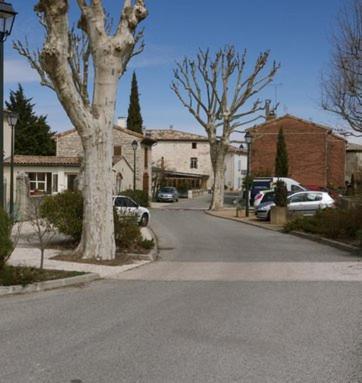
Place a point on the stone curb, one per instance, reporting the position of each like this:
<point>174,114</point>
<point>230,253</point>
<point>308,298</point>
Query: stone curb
<point>153,254</point>
<point>242,221</point>
<point>326,241</point>
<point>311,237</point>
<point>48,285</point>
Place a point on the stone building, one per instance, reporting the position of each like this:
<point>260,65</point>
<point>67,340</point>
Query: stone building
<point>316,155</point>
<point>354,162</point>
<point>69,145</point>
<point>185,158</point>
<point>54,174</point>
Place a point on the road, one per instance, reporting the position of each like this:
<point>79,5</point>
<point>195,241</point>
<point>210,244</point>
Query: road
<point>209,311</point>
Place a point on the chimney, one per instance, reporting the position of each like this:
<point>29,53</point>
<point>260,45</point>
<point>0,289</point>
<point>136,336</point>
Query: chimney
<point>122,122</point>
<point>269,111</point>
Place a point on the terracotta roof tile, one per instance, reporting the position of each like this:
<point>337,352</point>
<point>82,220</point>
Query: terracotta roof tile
<point>173,135</point>
<point>44,160</point>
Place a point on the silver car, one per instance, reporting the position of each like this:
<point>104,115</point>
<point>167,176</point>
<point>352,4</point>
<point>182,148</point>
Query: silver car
<point>167,194</point>
<point>303,203</point>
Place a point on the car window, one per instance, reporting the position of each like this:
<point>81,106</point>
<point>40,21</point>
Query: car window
<point>314,197</point>
<point>261,185</point>
<point>298,198</point>
<point>120,202</point>
<point>167,190</point>
<point>296,188</point>
<point>130,203</point>
<point>268,197</point>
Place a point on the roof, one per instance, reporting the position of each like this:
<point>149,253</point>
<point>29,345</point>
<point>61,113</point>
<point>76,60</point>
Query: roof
<point>240,151</point>
<point>44,161</point>
<point>179,174</point>
<point>292,117</point>
<point>351,147</point>
<point>116,127</point>
<point>173,135</point>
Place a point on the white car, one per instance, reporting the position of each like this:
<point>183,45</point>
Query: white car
<point>126,206</point>
<point>303,203</point>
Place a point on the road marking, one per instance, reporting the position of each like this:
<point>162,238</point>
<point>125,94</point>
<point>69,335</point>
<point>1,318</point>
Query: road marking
<point>246,271</point>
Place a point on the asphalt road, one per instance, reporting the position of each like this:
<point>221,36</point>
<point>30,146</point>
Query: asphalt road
<point>182,329</point>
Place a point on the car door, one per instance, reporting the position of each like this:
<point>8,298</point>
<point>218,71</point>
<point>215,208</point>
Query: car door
<point>296,203</point>
<point>313,203</point>
<point>120,205</point>
<point>131,207</point>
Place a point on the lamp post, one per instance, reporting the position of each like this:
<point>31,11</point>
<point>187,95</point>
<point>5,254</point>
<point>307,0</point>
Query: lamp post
<point>7,17</point>
<point>12,120</point>
<point>248,142</point>
<point>134,147</point>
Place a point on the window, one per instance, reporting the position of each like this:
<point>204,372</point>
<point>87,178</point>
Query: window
<point>239,165</point>
<point>298,198</point>
<point>314,197</point>
<point>146,158</point>
<point>40,182</point>
<point>72,182</point>
<point>193,163</point>
<point>117,150</point>
<point>194,145</point>
<point>55,183</point>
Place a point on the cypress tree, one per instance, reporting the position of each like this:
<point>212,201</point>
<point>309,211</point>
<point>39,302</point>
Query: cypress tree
<point>134,119</point>
<point>32,133</point>
<point>281,160</point>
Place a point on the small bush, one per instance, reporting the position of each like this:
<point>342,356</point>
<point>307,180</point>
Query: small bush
<point>6,244</point>
<point>65,212</point>
<point>331,223</point>
<point>281,194</point>
<point>147,244</point>
<point>127,232</point>
<point>139,196</point>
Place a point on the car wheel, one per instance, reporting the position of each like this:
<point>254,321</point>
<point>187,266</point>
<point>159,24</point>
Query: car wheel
<point>144,220</point>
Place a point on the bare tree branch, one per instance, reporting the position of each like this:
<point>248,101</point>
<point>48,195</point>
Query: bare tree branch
<point>342,86</point>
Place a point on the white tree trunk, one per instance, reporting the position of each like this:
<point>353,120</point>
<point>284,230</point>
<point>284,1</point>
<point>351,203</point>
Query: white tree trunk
<point>218,164</point>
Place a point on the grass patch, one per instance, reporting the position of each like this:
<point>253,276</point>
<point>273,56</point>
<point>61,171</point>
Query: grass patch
<point>21,275</point>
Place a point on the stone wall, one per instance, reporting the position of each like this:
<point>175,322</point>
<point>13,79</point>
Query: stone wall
<point>69,145</point>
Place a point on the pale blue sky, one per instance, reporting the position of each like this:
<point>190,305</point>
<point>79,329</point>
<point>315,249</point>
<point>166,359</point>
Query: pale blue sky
<point>296,32</point>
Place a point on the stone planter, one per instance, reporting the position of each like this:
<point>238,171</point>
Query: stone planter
<point>278,215</point>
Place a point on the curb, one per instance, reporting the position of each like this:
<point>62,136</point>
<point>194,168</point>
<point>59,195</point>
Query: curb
<point>48,285</point>
<point>245,222</point>
<point>326,241</point>
<point>311,237</point>
<point>154,253</point>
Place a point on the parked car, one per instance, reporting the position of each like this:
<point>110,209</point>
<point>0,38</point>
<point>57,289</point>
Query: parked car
<point>260,184</point>
<point>264,196</point>
<point>126,206</point>
<point>167,194</point>
<point>304,203</point>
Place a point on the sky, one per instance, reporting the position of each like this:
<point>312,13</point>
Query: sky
<point>298,34</point>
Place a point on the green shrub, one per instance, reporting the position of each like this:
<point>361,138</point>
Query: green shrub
<point>147,244</point>
<point>331,223</point>
<point>65,212</point>
<point>139,196</point>
<point>127,232</point>
<point>6,244</point>
<point>281,194</point>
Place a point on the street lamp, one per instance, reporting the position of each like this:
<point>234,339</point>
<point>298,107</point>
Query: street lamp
<point>134,147</point>
<point>247,138</point>
<point>7,17</point>
<point>12,120</point>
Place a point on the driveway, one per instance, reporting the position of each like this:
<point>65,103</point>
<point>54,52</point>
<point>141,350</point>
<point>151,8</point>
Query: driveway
<point>209,311</point>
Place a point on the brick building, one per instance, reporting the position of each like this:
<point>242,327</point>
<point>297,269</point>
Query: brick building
<point>316,155</point>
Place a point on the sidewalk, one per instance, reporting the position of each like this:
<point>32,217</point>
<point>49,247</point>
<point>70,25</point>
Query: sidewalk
<point>30,256</point>
<point>230,213</point>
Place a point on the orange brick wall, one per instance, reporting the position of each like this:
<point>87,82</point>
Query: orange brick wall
<point>315,156</point>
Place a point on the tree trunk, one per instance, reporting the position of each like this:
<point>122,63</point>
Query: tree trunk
<point>218,164</point>
<point>97,188</point>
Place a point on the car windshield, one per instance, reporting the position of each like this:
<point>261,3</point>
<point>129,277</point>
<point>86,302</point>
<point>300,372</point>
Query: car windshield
<point>167,190</point>
<point>268,197</point>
